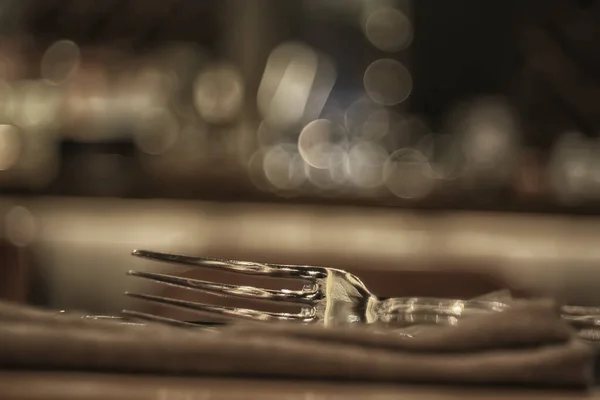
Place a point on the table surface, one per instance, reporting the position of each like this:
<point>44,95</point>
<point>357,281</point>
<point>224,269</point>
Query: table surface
<point>19,385</point>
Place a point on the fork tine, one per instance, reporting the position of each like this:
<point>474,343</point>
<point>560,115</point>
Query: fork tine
<point>306,295</point>
<point>140,316</point>
<point>306,315</point>
<point>244,267</point>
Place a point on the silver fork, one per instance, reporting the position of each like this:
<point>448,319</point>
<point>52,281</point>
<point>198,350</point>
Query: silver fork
<point>329,297</point>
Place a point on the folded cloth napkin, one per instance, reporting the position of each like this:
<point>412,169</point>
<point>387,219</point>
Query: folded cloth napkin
<point>527,344</point>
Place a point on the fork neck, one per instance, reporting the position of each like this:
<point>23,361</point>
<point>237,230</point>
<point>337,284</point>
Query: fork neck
<point>406,310</point>
<point>403,311</point>
<point>390,311</point>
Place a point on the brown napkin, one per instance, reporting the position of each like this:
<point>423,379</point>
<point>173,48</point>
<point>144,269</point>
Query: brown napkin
<point>527,344</point>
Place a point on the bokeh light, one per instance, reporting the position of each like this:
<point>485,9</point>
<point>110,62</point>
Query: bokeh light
<point>364,164</point>
<point>284,168</point>
<point>219,93</point>
<point>569,167</point>
<point>295,85</point>
<point>60,61</point>
<point>408,175</point>
<point>319,141</point>
<point>11,146</point>
<point>35,105</point>
<point>388,29</point>
<point>388,82</point>
<point>20,226</point>
<point>156,132</point>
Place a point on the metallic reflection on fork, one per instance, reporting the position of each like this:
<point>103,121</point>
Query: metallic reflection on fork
<point>329,297</point>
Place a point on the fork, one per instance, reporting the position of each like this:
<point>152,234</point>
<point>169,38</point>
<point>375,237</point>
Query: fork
<point>329,297</point>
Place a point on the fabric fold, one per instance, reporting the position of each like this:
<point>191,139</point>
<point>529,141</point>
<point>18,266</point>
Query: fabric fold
<point>527,344</point>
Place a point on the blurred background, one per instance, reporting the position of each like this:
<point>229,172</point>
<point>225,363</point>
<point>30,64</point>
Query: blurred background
<point>433,147</point>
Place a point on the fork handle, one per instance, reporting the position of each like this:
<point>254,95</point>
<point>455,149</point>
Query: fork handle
<point>420,309</point>
<point>412,310</point>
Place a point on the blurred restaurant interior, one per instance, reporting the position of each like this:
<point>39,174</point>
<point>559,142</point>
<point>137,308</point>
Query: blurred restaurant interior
<point>442,148</point>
